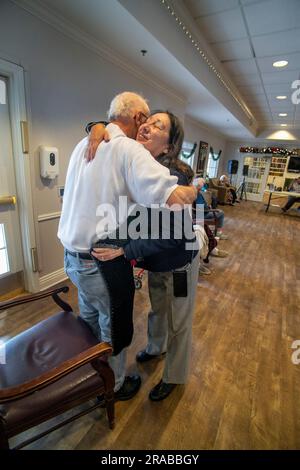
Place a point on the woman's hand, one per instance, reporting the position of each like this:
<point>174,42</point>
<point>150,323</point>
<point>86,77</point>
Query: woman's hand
<point>97,135</point>
<point>107,254</point>
<point>200,182</point>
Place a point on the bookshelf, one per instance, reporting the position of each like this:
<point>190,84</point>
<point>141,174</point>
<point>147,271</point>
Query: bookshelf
<point>277,167</point>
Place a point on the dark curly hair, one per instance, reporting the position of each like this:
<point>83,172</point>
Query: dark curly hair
<point>171,159</point>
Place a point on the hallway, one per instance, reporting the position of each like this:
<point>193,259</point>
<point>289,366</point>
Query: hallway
<point>244,390</point>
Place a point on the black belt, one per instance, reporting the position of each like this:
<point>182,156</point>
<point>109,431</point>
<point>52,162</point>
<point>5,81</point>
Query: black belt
<point>80,255</point>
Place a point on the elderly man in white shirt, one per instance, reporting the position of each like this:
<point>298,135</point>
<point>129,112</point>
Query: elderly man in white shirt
<point>123,168</point>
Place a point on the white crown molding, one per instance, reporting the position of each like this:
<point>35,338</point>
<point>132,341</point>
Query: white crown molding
<point>52,279</point>
<point>69,29</point>
<point>49,216</point>
<point>178,10</point>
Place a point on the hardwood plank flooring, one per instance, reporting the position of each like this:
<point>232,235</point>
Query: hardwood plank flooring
<point>244,390</point>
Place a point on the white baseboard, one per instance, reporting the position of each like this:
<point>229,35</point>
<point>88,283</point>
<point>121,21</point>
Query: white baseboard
<point>53,278</point>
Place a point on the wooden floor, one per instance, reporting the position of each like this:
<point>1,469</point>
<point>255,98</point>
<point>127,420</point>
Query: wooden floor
<point>244,390</point>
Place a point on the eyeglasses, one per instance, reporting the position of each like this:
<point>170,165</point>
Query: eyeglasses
<point>143,117</point>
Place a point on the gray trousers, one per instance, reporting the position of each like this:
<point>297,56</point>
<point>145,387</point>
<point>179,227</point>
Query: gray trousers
<point>170,322</point>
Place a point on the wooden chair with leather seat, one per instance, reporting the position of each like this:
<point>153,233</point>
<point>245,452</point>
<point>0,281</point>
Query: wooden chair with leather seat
<point>50,368</point>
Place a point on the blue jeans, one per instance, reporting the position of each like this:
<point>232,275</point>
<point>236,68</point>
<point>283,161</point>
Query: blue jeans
<point>94,306</point>
<point>219,216</point>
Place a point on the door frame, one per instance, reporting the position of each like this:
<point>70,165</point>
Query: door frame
<point>253,196</point>
<point>17,108</point>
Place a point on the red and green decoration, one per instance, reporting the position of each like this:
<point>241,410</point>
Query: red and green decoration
<point>270,150</point>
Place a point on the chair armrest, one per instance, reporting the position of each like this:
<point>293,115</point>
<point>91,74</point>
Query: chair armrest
<point>41,295</point>
<point>51,376</point>
<point>222,189</point>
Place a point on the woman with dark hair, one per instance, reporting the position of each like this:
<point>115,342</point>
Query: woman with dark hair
<point>173,269</point>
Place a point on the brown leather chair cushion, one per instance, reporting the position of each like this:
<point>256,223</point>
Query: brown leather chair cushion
<point>38,350</point>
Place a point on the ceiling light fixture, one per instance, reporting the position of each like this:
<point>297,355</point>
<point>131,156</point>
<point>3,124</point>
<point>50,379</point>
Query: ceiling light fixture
<point>283,125</point>
<point>281,97</point>
<point>282,114</point>
<point>280,63</point>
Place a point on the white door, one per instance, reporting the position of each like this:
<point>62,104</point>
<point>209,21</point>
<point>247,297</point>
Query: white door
<point>11,258</point>
<point>256,180</point>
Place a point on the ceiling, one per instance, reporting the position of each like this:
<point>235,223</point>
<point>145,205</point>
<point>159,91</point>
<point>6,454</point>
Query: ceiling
<point>242,38</point>
<point>247,36</point>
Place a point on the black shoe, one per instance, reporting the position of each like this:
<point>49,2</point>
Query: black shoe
<point>129,388</point>
<point>161,391</point>
<point>143,356</point>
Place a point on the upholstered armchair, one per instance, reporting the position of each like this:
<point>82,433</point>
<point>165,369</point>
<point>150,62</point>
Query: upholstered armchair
<point>54,366</point>
<point>222,190</point>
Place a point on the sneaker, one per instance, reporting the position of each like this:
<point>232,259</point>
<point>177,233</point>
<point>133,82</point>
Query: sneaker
<point>203,270</point>
<point>161,391</point>
<point>219,253</point>
<point>222,236</point>
<point>130,387</point>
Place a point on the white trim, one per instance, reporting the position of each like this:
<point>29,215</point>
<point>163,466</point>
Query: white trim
<point>49,216</point>
<point>53,278</point>
<point>15,75</point>
<point>67,28</point>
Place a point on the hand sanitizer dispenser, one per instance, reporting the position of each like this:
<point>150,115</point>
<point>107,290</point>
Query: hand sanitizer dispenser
<point>49,162</point>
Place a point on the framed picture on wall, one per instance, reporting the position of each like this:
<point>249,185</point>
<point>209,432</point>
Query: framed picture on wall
<point>202,155</point>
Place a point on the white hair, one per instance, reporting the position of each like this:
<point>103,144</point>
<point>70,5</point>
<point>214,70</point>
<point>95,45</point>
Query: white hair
<point>125,105</point>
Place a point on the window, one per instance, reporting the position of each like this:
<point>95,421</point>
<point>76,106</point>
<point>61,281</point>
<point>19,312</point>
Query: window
<point>212,165</point>
<point>2,91</point>
<point>4,264</point>
<point>187,148</point>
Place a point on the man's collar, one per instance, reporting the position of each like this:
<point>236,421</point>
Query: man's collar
<point>114,130</point>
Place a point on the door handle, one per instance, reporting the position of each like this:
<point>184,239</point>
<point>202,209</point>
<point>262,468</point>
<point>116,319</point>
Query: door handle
<point>4,200</point>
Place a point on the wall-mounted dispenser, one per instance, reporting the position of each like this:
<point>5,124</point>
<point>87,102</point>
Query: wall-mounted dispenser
<point>49,163</point>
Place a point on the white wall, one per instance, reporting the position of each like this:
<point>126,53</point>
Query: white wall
<point>67,85</point>
<point>193,132</point>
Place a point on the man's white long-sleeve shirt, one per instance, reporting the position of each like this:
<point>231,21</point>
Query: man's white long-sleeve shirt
<point>121,167</point>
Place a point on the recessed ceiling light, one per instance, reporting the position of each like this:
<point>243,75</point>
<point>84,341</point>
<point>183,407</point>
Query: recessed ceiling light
<point>282,114</point>
<point>280,63</point>
<point>281,97</point>
<point>283,125</point>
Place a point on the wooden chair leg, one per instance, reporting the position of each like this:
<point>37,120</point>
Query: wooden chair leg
<point>110,409</point>
<point>4,445</point>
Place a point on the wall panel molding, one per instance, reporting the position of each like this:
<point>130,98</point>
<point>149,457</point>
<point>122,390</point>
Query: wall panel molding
<point>53,278</point>
<point>49,216</point>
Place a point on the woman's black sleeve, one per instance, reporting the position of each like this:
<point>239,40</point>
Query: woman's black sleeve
<point>89,125</point>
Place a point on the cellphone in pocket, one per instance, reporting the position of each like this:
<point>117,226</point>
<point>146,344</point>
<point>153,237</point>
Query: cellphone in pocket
<point>180,283</point>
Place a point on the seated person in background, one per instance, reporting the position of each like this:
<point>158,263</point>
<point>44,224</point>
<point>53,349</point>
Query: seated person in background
<point>295,188</point>
<point>224,181</point>
<point>208,214</point>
